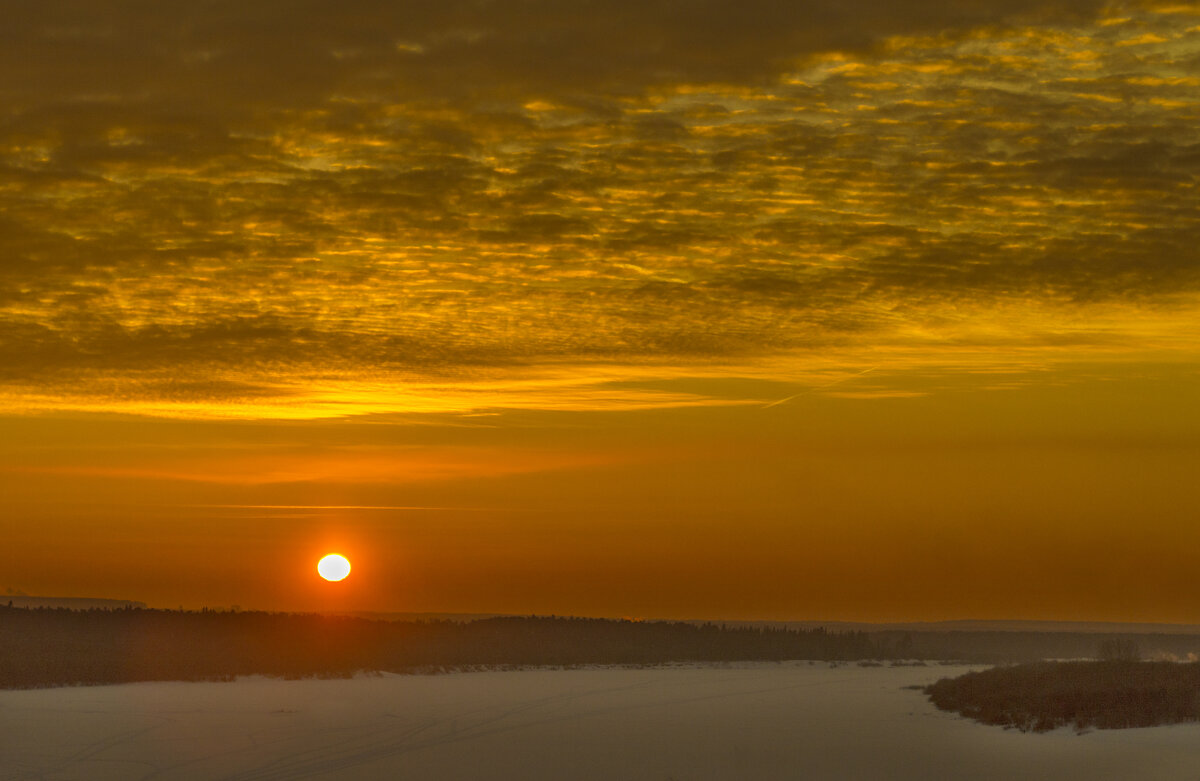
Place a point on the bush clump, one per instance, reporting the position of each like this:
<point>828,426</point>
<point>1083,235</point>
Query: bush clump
<point>1103,694</point>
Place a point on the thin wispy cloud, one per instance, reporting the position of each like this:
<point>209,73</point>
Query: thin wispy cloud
<point>329,507</point>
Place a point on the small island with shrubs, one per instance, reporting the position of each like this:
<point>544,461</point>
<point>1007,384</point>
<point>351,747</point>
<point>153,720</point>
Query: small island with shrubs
<point>1116,691</point>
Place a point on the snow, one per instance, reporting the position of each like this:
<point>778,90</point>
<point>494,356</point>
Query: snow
<point>688,723</point>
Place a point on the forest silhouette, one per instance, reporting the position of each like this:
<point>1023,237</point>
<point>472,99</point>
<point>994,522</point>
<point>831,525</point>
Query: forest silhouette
<point>45,647</point>
<point>56,647</point>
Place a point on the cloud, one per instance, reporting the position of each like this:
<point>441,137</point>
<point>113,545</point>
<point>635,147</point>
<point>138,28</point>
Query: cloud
<point>260,193</point>
<point>346,465</point>
<point>238,55</point>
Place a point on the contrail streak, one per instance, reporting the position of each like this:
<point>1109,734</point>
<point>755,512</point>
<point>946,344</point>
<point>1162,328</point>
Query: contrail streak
<point>806,391</point>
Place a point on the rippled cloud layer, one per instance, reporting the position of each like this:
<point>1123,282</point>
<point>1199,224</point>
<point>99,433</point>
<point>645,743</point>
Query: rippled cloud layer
<point>311,210</point>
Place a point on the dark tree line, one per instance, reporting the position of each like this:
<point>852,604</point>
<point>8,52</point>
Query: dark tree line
<point>56,647</point>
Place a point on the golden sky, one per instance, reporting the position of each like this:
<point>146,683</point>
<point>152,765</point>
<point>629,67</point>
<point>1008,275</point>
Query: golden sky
<point>829,310</point>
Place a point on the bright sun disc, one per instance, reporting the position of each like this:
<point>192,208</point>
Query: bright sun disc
<point>333,567</point>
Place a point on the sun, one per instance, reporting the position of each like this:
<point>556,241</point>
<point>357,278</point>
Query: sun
<point>333,567</point>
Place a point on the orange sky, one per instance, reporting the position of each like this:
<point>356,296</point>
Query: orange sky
<point>772,311</point>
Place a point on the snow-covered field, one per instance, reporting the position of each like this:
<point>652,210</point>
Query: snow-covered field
<point>753,721</point>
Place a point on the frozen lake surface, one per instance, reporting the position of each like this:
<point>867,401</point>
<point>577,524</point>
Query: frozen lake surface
<point>749,721</point>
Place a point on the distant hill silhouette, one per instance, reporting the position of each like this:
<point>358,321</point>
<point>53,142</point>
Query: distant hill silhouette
<point>980,625</point>
<point>71,603</point>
